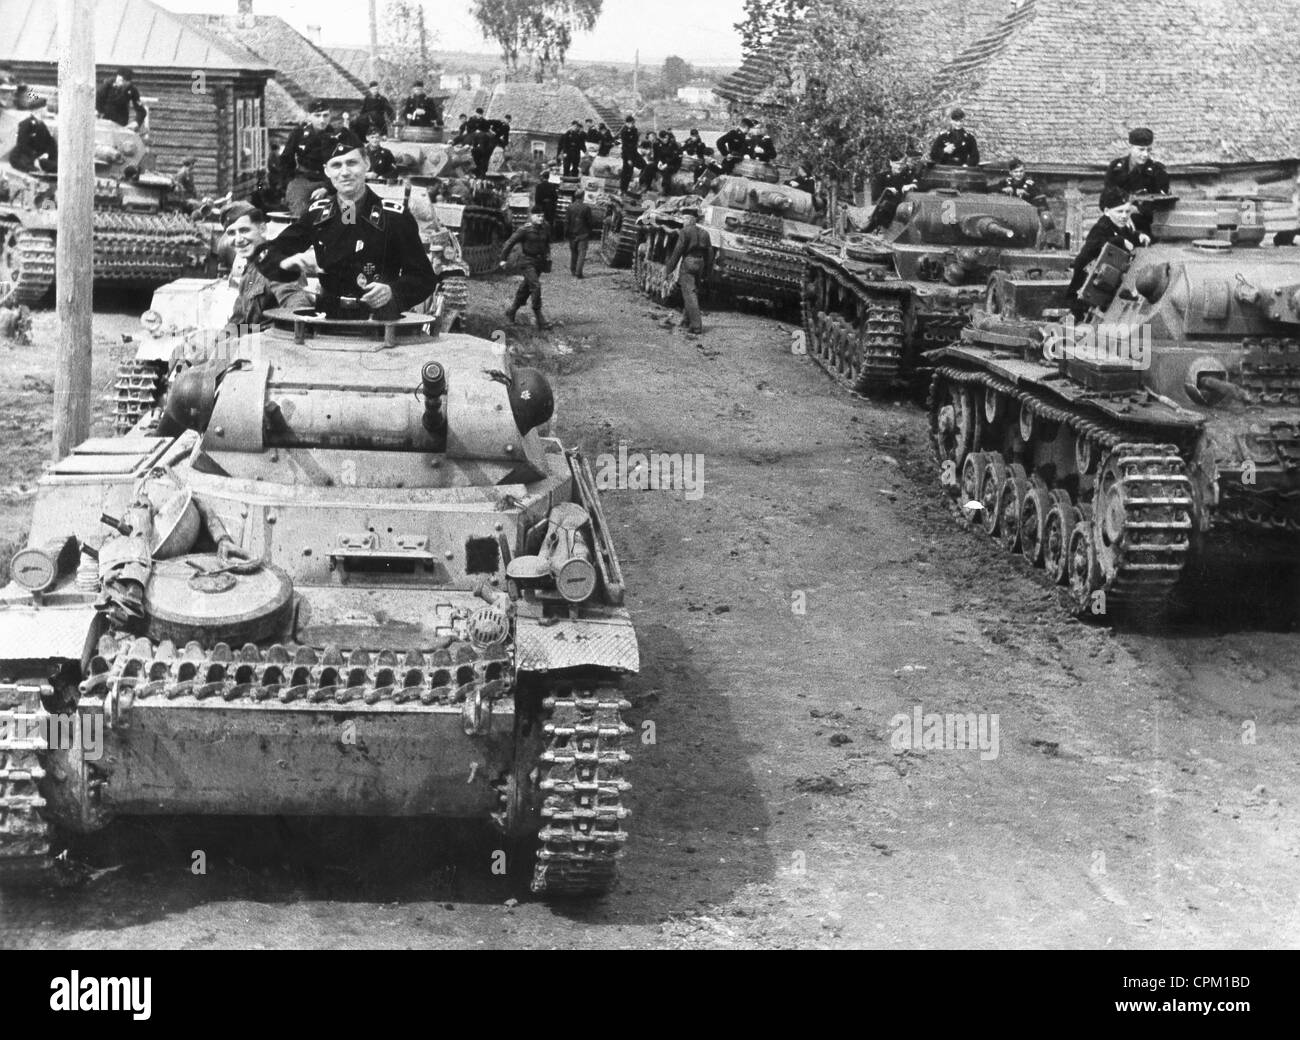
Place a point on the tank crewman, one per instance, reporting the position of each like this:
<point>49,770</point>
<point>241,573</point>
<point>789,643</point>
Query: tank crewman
<point>629,140</point>
<point>418,109</point>
<point>759,146</point>
<point>1116,227</point>
<point>368,248</point>
<point>482,143</point>
<point>501,128</point>
<point>605,140</point>
<point>956,146</point>
<point>383,164</point>
<point>694,252</point>
<point>1018,184</point>
<point>534,242</point>
<point>183,179</point>
<point>802,180</point>
<point>733,145</point>
<point>667,155</point>
<point>573,142</point>
<point>476,121</point>
<point>35,147</point>
<point>245,227</point>
<point>303,160</point>
<point>1138,173</point>
<point>118,99</point>
<point>888,189</point>
<point>646,152</point>
<point>462,130</point>
<point>579,224</point>
<point>547,196</point>
<point>590,135</point>
<point>376,111</point>
<point>694,146</point>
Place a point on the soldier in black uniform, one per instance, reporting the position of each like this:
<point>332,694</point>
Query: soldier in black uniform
<point>382,162</point>
<point>1137,174</point>
<point>802,180</point>
<point>117,99</point>
<point>476,121</point>
<point>1018,184</point>
<point>759,146</point>
<point>501,128</point>
<point>183,180</point>
<point>589,133</point>
<point>629,141</point>
<point>667,159</point>
<point>36,148</point>
<point>573,142</point>
<point>956,146</point>
<point>547,196</point>
<point>369,250</point>
<point>734,145</point>
<point>462,130</point>
<point>1116,226</point>
<point>482,143</point>
<point>303,159</point>
<point>534,242</point>
<point>419,109</point>
<point>376,112</point>
<point>604,140</point>
<point>694,146</point>
<point>888,189</point>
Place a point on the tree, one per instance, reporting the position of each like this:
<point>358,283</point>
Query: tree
<point>677,73</point>
<point>763,19</point>
<point>537,33</point>
<point>405,35</point>
<point>848,98</point>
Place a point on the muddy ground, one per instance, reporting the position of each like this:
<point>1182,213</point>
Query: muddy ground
<point>1145,786</point>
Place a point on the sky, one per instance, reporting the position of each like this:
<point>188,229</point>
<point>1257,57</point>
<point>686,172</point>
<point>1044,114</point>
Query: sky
<point>699,31</point>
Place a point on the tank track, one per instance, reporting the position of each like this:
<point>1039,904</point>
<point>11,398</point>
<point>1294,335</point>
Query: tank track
<point>455,288</point>
<point>34,264</point>
<point>138,390</point>
<point>653,280</point>
<point>869,360</point>
<point>583,789</point>
<point>619,250</point>
<point>1130,542</point>
<point>145,248</point>
<point>24,834</point>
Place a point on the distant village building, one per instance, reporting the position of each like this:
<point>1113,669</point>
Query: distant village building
<point>461,81</point>
<point>205,96</point>
<point>540,113</point>
<point>701,95</point>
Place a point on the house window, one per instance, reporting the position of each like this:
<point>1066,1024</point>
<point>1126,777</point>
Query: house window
<point>250,137</point>
<point>538,149</point>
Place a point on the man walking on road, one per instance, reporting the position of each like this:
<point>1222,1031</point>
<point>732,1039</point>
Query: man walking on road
<point>579,223</point>
<point>695,253</point>
<point>534,242</point>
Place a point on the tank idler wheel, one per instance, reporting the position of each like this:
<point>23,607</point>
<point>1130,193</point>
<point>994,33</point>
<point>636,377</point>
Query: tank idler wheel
<point>1030,424</point>
<point>995,475</point>
<point>954,433</point>
<point>1060,521</point>
<point>972,476</point>
<point>1011,500</point>
<point>1085,575</point>
<point>1033,521</point>
<point>1085,454</point>
<point>995,406</point>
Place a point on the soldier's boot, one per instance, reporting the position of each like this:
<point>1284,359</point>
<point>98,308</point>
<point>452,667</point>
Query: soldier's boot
<point>511,312</point>
<point>542,323</point>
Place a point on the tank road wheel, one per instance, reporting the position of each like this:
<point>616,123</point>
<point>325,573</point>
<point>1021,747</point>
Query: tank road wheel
<point>995,475</point>
<point>972,476</point>
<point>26,264</point>
<point>953,424</point>
<point>609,234</point>
<point>583,789</point>
<point>995,406</point>
<point>1033,521</point>
<point>1057,527</point>
<point>1142,522</point>
<point>1084,575</point>
<point>1085,454</point>
<point>1011,500</point>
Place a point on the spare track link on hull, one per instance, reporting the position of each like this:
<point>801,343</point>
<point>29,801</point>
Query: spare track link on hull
<point>583,790</point>
<point>34,264</point>
<point>864,360</point>
<point>24,835</point>
<point>1141,510</point>
<point>618,250</point>
<point>138,390</point>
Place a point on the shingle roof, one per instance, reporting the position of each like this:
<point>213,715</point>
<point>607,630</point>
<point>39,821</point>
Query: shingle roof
<point>540,107</point>
<point>1215,79</point>
<point>302,68</point>
<point>136,33</point>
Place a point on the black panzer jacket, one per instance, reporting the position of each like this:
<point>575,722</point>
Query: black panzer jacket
<point>375,241</point>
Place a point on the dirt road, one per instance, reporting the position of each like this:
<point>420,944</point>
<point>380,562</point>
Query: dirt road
<point>799,620</point>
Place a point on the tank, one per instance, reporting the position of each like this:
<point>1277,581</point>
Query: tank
<point>600,184</point>
<point>619,232</point>
<point>759,230</point>
<point>873,303</point>
<point>142,235</point>
<point>1117,451</point>
<point>347,574</point>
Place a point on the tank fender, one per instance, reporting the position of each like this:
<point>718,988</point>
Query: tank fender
<point>40,633</point>
<point>608,641</point>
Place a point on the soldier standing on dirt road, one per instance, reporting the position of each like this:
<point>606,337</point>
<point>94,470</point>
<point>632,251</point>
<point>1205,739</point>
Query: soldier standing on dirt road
<point>695,253</point>
<point>579,223</point>
<point>534,242</point>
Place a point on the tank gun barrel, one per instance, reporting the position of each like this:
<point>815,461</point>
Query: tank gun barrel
<point>988,228</point>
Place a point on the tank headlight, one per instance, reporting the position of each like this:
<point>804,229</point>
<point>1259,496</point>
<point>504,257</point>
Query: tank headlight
<point>151,320</point>
<point>1152,281</point>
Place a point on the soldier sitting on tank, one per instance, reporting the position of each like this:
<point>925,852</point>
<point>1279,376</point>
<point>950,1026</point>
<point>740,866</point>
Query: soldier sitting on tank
<point>695,147</point>
<point>572,144</point>
<point>418,109</point>
<point>1139,174</point>
<point>605,140</point>
<point>383,165</point>
<point>759,146</point>
<point>1115,227</point>
<point>733,145</point>
<point>369,250</point>
<point>245,228</point>
<point>956,146</point>
<point>667,159</point>
<point>888,189</point>
<point>183,180</point>
<point>35,148</point>
<point>802,180</point>
<point>1018,184</point>
<point>117,99</point>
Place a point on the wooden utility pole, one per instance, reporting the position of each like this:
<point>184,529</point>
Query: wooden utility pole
<point>76,200</point>
<point>374,43</point>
